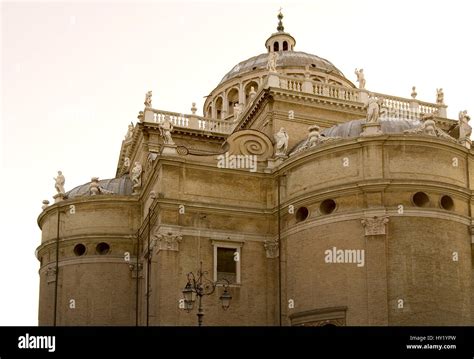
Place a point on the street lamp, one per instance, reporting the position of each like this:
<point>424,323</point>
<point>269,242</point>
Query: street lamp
<point>200,287</point>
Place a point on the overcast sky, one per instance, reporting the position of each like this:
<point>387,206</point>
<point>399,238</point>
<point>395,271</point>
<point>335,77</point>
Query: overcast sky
<point>75,75</point>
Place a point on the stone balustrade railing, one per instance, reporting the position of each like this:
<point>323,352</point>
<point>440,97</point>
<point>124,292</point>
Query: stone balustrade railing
<point>337,92</point>
<point>319,88</point>
<point>190,121</point>
<point>394,107</point>
<point>412,109</point>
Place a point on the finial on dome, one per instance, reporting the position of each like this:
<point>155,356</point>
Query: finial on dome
<point>280,41</point>
<point>280,27</point>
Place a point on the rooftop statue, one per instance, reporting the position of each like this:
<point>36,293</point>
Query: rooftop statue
<point>440,96</point>
<point>272,61</point>
<point>148,99</point>
<point>428,127</point>
<point>129,134</point>
<point>374,108</point>
<point>60,181</point>
<point>465,129</point>
<point>360,78</point>
<point>314,138</point>
<point>166,127</point>
<point>281,142</point>
<point>136,176</point>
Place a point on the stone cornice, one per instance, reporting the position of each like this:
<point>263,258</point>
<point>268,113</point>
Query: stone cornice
<point>430,141</point>
<point>104,198</point>
<point>131,144</point>
<point>251,113</point>
<point>277,94</point>
<point>91,259</point>
<point>206,166</point>
<point>215,234</point>
<point>186,131</point>
<point>382,185</point>
<point>308,98</point>
<point>311,223</point>
<point>137,135</point>
<point>205,207</point>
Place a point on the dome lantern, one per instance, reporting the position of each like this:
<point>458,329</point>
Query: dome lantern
<point>280,41</point>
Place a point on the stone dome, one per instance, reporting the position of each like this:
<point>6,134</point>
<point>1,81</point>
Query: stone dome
<point>353,129</point>
<point>121,186</point>
<point>285,59</point>
<point>235,88</point>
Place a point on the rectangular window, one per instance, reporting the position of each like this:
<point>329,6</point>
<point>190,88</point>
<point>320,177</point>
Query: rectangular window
<point>226,264</point>
<point>227,261</point>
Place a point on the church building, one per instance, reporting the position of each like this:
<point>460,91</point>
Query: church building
<point>297,198</point>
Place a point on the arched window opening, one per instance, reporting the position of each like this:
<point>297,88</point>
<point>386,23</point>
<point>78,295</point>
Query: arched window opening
<point>219,108</point>
<point>249,92</point>
<point>233,99</point>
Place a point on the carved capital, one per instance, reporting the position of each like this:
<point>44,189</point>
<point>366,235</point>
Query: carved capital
<point>136,269</point>
<point>167,241</point>
<point>374,225</point>
<point>271,249</point>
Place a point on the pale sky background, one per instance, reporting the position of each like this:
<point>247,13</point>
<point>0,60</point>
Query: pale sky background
<point>75,74</point>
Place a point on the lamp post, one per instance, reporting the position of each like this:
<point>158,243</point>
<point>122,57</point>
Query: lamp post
<point>201,286</point>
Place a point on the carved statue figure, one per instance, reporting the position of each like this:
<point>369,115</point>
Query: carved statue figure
<point>129,132</point>
<point>238,108</point>
<point>126,162</point>
<point>360,78</point>
<point>166,127</point>
<point>307,74</point>
<point>94,186</point>
<point>314,137</point>
<point>60,181</point>
<point>281,142</point>
<point>465,129</point>
<point>373,109</point>
<point>440,96</point>
<point>137,175</point>
<point>272,61</point>
<point>429,128</point>
<point>148,99</point>
<point>252,93</point>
